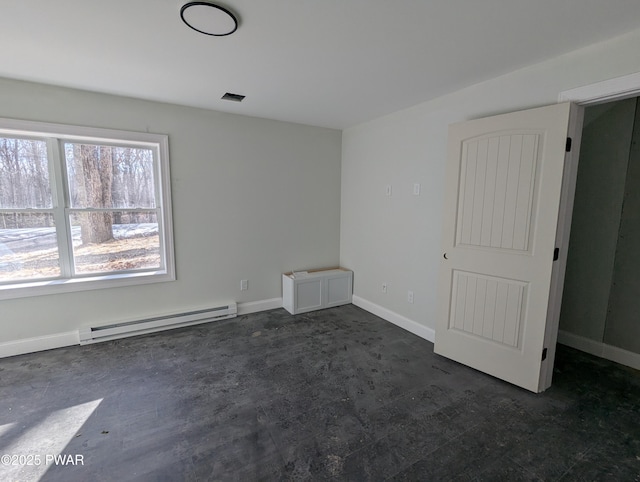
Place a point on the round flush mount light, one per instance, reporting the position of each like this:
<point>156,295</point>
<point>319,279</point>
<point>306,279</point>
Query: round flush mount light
<point>208,18</point>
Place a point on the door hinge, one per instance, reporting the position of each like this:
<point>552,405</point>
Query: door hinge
<point>544,354</point>
<point>556,254</point>
<point>568,145</point>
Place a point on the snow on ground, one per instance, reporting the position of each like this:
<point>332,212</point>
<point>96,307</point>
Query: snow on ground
<point>15,240</point>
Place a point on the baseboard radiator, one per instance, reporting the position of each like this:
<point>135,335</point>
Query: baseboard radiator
<point>157,323</point>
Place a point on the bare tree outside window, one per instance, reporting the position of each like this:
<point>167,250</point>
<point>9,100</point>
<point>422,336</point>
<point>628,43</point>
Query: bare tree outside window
<point>112,196</point>
<point>82,204</point>
<point>93,181</point>
<point>26,211</point>
<point>110,207</point>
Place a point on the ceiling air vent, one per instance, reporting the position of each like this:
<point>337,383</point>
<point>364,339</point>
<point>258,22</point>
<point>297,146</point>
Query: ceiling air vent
<point>233,97</point>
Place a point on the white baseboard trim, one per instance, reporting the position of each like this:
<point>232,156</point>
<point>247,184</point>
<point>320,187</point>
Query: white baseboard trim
<point>599,349</point>
<point>59,340</point>
<point>256,306</point>
<point>38,343</point>
<point>580,343</point>
<point>624,357</point>
<point>399,320</point>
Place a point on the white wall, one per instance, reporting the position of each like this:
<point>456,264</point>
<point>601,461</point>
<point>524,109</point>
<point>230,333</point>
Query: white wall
<point>252,198</point>
<point>397,239</point>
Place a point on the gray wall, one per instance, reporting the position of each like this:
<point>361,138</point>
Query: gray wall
<point>601,300</point>
<point>623,323</point>
<point>602,169</point>
<point>252,198</point>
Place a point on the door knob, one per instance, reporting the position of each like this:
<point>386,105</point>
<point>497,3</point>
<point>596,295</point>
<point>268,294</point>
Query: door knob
<point>445,256</point>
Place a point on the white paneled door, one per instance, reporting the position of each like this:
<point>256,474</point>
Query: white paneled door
<point>504,184</point>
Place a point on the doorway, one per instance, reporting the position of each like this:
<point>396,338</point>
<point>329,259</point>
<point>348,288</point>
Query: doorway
<point>601,298</point>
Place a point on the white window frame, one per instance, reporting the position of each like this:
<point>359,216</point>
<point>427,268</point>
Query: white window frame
<point>56,135</point>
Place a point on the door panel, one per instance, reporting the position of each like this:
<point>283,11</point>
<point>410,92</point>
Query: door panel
<point>488,307</point>
<point>497,180</point>
<point>504,182</point>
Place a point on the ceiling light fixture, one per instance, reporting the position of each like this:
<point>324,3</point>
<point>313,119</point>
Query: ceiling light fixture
<point>208,18</point>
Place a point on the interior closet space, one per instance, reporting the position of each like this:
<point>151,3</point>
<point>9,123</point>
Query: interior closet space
<point>601,300</point>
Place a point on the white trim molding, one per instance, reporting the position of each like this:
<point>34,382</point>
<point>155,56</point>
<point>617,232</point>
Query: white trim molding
<point>605,91</point>
<point>59,340</point>
<point>599,349</point>
<point>257,306</point>
<point>403,322</point>
<point>39,343</point>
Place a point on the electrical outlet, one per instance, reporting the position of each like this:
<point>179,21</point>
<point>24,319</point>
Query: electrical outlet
<point>416,189</point>
<point>410,296</point>
<point>384,287</point>
<point>244,285</point>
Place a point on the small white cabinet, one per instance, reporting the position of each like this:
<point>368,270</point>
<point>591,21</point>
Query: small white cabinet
<point>304,291</point>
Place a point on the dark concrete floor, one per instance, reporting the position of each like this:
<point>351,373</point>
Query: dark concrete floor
<point>337,394</point>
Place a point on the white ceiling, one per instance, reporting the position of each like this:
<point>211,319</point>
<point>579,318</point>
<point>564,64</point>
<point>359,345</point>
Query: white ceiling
<point>332,63</point>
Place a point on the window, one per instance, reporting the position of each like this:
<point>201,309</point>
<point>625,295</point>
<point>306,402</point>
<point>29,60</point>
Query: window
<point>82,208</point>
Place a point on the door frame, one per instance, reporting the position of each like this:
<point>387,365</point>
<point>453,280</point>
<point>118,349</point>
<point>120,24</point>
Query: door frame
<point>610,90</point>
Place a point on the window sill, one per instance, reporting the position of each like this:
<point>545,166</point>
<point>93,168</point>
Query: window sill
<point>51,287</point>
